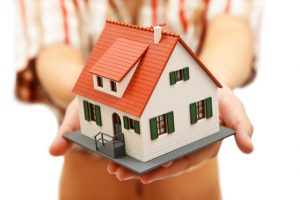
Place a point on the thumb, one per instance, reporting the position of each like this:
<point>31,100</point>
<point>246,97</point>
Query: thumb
<point>234,116</point>
<point>70,123</point>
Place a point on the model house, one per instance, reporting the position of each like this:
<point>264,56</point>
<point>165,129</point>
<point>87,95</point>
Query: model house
<point>144,93</point>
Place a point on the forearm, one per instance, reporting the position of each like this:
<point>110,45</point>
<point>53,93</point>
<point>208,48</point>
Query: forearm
<point>228,50</point>
<point>58,68</point>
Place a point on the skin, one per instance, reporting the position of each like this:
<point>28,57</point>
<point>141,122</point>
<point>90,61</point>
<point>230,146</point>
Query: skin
<point>228,53</point>
<point>54,61</point>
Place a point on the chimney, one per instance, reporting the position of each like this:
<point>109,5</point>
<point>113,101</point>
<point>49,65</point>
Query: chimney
<point>157,34</point>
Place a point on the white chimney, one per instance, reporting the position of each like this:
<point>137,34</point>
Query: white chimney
<point>157,34</point>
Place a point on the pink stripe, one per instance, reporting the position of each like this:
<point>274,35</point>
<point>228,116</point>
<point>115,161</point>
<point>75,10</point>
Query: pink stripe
<point>154,12</point>
<point>228,5</point>
<point>25,25</point>
<point>204,26</point>
<point>183,20</point>
<point>65,21</point>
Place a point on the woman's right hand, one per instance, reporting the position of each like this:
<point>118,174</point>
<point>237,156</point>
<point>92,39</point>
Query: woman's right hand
<point>70,123</point>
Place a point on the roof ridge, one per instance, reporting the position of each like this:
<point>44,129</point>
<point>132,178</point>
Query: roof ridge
<point>150,29</point>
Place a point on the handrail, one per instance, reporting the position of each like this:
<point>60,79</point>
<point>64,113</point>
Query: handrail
<point>114,139</point>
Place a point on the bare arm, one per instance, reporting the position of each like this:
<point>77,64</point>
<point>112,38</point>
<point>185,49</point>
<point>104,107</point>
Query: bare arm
<point>228,49</point>
<point>58,68</point>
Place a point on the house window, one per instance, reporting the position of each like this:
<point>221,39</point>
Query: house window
<point>161,125</point>
<point>99,81</point>
<point>179,75</point>
<point>92,112</point>
<point>113,86</point>
<point>131,124</point>
<point>200,110</point>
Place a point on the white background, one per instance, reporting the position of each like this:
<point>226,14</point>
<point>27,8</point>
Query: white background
<point>272,102</point>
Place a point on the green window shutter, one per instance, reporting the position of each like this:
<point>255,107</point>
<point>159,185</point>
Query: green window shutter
<point>153,128</point>
<point>186,73</point>
<point>126,122</point>
<point>170,122</point>
<point>137,126</point>
<point>172,78</point>
<point>86,111</point>
<point>98,115</point>
<point>193,112</point>
<point>208,108</point>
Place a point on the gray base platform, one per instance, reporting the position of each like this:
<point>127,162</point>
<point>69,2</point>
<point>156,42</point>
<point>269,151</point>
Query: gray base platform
<point>140,167</point>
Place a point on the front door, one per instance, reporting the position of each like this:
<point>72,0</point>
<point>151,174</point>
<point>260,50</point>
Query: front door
<point>117,124</point>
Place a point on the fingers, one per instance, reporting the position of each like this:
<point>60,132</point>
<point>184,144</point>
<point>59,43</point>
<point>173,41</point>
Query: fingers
<point>243,137</point>
<point>70,123</point>
<point>185,164</point>
<point>170,169</point>
<point>178,167</point>
<point>234,116</point>
<point>112,167</point>
<point>121,173</point>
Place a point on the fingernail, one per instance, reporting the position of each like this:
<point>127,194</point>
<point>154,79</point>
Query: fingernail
<point>111,172</point>
<point>55,139</point>
<point>145,181</point>
<point>168,164</point>
<point>129,178</point>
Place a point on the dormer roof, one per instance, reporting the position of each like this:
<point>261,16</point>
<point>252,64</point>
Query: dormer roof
<point>119,59</point>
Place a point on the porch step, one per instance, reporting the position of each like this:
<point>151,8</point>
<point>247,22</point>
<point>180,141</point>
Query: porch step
<point>108,149</point>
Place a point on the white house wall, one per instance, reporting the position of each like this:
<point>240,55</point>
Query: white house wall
<point>121,86</point>
<point>133,141</point>
<point>177,98</point>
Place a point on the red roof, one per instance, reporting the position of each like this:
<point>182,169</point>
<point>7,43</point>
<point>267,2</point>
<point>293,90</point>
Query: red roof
<point>147,74</point>
<point>117,61</point>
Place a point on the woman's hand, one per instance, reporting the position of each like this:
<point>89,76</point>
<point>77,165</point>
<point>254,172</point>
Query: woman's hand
<point>71,123</point>
<point>232,115</point>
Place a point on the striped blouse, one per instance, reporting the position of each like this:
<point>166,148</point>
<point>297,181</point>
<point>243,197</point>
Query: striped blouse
<point>78,23</point>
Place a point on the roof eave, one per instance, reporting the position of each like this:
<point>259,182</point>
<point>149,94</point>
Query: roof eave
<point>213,78</point>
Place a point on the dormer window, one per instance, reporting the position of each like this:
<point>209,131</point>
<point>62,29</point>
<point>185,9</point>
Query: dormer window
<point>113,86</point>
<point>99,81</point>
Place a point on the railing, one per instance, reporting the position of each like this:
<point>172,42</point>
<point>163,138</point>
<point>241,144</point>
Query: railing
<point>113,139</point>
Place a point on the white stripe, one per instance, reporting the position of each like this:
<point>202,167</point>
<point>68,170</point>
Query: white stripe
<point>97,17</point>
<point>73,24</point>
<point>52,22</point>
<point>20,49</point>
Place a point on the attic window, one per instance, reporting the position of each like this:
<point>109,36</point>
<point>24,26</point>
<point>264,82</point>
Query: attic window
<point>179,75</point>
<point>113,86</point>
<point>99,81</point>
